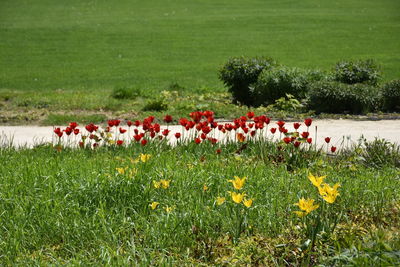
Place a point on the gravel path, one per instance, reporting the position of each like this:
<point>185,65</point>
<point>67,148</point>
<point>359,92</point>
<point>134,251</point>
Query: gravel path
<point>341,132</point>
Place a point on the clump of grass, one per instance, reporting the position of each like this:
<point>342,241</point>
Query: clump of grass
<point>155,105</point>
<point>126,93</point>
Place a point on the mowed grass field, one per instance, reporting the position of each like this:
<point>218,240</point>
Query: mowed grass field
<point>98,45</point>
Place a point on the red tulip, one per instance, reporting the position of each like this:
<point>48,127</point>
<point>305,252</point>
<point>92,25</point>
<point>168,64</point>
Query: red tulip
<point>120,142</point>
<point>280,123</point>
<point>305,134</point>
<point>129,123</point>
<point>218,151</point>
<point>333,149</point>
<point>250,114</point>
<point>73,125</point>
<point>296,144</point>
<point>68,130</point>
<point>327,140</point>
<point>252,133</point>
<point>296,125</point>
<point>76,131</point>
<point>165,132</point>
<point>183,121</point>
<point>309,140</point>
<point>137,137</point>
<point>137,123</point>
<point>144,142</point>
<point>203,136</point>
<point>58,132</point>
<point>308,122</point>
<point>287,140</point>
<point>273,130</point>
<point>152,134</point>
<point>122,131</point>
<point>177,135</point>
<point>168,118</point>
<point>197,140</point>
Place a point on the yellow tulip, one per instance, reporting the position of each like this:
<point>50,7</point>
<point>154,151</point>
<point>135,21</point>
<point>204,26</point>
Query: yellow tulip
<point>121,170</point>
<point>300,213</point>
<point>237,197</point>
<point>154,205</point>
<point>328,193</point>
<point>205,187</point>
<point>156,184</point>
<point>315,180</point>
<point>248,202</point>
<point>306,205</point>
<point>144,157</point>
<point>165,183</point>
<point>238,183</point>
<point>220,200</point>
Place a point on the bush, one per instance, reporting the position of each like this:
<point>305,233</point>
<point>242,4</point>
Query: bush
<point>239,73</point>
<point>126,93</point>
<point>352,72</point>
<point>155,105</point>
<point>278,82</point>
<point>391,95</point>
<point>335,97</point>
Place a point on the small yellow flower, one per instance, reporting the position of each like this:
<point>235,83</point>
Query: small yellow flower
<point>156,184</point>
<point>168,209</point>
<point>111,142</point>
<point>121,170</point>
<point>144,157</point>
<point>109,135</point>
<point>165,183</point>
<point>154,205</point>
<point>220,200</point>
<point>248,202</point>
<point>237,197</point>
<point>315,180</point>
<point>307,205</point>
<point>205,187</point>
<point>238,183</point>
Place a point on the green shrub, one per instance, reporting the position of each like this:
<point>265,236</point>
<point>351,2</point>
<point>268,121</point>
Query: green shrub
<point>155,105</point>
<point>352,72</point>
<point>335,97</point>
<point>277,82</point>
<point>391,95</point>
<point>126,93</point>
<point>239,73</point>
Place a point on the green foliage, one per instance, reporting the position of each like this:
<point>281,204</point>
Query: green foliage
<point>379,153</point>
<point>391,95</point>
<point>288,103</point>
<point>361,71</point>
<point>155,105</point>
<point>277,82</point>
<point>335,97</point>
<point>126,93</point>
<point>239,73</point>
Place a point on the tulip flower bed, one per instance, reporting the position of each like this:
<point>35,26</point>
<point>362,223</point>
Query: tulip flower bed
<point>200,128</point>
<point>242,200</point>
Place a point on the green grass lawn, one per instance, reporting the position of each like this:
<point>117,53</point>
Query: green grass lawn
<point>92,45</point>
<point>75,207</point>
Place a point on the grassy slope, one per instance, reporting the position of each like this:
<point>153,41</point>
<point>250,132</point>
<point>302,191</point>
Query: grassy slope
<point>73,207</point>
<point>98,45</point>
